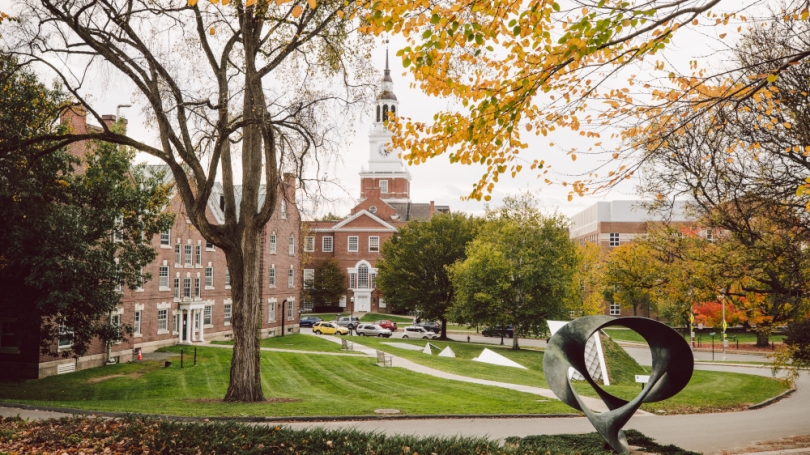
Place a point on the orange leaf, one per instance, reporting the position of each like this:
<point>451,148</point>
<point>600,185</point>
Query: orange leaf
<point>192,3</point>
<point>297,10</point>
<point>312,4</point>
<point>212,31</point>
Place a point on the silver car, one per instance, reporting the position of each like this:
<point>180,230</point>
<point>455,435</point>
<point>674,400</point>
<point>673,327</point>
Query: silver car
<point>372,330</point>
<point>418,332</point>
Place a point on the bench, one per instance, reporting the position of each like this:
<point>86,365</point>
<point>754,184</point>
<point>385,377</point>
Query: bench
<point>384,360</point>
<point>642,379</point>
<point>346,345</point>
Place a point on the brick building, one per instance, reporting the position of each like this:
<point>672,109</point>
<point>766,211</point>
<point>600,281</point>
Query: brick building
<point>613,223</point>
<point>384,206</point>
<point>188,298</point>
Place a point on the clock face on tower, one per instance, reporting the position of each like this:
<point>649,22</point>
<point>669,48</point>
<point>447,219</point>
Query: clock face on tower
<point>382,151</point>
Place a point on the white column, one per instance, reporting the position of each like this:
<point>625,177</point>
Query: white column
<point>179,327</point>
<point>202,324</point>
<point>189,321</point>
<point>194,325</point>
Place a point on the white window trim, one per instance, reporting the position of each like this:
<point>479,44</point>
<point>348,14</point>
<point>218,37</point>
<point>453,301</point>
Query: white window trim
<point>188,250</point>
<point>207,286</point>
<point>291,275</point>
<point>309,243</point>
<point>166,288</point>
<point>275,276</point>
<point>271,309</point>
<point>383,183</point>
<point>378,244</point>
<point>291,245</point>
<point>166,330</point>
<point>168,244</point>
<point>211,309</point>
<point>356,244</point>
<point>64,329</point>
<point>273,241</point>
<point>137,324</point>
<point>331,243</point>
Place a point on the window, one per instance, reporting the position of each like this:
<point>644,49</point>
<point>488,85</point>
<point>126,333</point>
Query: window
<point>283,209</point>
<point>8,336</point>
<point>709,236</point>
<point>272,279</point>
<point>373,280</point>
<point>273,243</point>
<point>309,278</point>
<point>374,244</point>
<point>164,278</point>
<point>291,277</point>
<point>197,286</point>
<point>290,314</point>
<point>207,315</point>
<point>118,229</point>
<point>177,288</point>
<point>209,277</point>
<point>227,278</point>
<point>189,257</point>
<point>209,246</point>
<point>353,242</point>
<point>65,337</point>
<point>309,243</point>
<point>614,239</point>
<point>137,325</point>
<point>615,309</point>
<point>353,280</point>
<point>163,321</point>
<point>178,256</point>
<point>227,318</point>
<point>176,323</point>
<point>326,244</point>
<point>187,287</point>
<point>166,238</point>
<point>271,310</point>
<point>198,256</point>
<point>292,245</point>
<point>383,186</point>
<point>362,276</point>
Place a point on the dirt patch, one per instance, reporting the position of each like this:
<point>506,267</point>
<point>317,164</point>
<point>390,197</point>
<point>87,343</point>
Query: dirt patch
<point>267,400</point>
<point>793,442</point>
<point>136,375</point>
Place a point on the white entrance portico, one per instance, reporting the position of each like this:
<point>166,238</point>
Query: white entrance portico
<point>362,280</point>
<point>191,321</point>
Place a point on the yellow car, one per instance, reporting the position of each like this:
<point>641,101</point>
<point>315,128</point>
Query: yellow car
<point>329,328</point>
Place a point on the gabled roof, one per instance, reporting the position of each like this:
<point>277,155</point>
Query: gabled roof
<point>343,224</point>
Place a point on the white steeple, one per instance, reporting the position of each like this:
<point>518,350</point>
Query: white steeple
<point>382,159</point>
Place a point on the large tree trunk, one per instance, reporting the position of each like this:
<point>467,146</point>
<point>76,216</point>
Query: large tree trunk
<point>763,339</point>
<point>245,383</point>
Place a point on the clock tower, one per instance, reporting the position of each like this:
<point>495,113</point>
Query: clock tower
<point>386,170</point>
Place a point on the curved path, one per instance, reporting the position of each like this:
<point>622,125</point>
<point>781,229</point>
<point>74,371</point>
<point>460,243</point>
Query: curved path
<point>708,433</point>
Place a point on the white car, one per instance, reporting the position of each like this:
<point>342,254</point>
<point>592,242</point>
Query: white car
<point>419,332</point>
<point>372,330</point>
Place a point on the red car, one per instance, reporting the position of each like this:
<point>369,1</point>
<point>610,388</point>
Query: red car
<point>392,326</point>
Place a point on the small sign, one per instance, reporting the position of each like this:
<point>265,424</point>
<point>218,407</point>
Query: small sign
<point>713,334</point>
<point>700,326</point>
<point>642,378</point>
<point>725,343</point>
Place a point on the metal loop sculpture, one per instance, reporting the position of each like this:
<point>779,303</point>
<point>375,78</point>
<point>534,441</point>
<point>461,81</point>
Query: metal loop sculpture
<point>672,366</point>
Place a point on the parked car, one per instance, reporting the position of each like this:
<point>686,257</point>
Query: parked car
<point>372,330</point>
<point>433,326</point>
<point>418,332</point>
<point>386,324</point>
<point>308,321</point>
<point>349,322</point>
<point>498,331</point>
<point>329,328</point>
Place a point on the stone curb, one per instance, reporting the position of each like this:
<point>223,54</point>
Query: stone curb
<point>281,419</point>
<point>779,452</point>
<point>772,400</point>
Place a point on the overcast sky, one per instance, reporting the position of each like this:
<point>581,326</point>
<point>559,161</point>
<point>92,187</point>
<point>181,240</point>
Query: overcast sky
<point>437,180</point>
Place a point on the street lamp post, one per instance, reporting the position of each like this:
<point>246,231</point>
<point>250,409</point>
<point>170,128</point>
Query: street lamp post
<point>283,304</point>
<point>724,325</point>
<point>350,316</point>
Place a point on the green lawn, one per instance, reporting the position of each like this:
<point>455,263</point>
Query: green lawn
<point>621,334</point>
<point>295,384</point>
<point>297,342</point>
<point>708,391</point>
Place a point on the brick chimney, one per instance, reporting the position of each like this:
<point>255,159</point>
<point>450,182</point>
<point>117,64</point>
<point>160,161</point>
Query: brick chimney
<point>75,117</point>
<point>432,208</point>
<point>110,119</point>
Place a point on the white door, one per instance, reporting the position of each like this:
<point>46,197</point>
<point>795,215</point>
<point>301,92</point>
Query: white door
<point>362,302</point>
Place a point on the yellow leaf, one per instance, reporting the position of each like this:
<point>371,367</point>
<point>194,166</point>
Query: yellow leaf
<point>297,10</point>
<point>722,35</point>
<point>573,157</point>
<point>225,2</point>
<point>192,3</point>
<point>212,31</point>
<point>772,77</point>
<point>805,14</point>
<point>312,4</point>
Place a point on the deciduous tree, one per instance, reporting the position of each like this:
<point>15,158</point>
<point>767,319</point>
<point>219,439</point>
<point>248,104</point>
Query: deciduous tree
<point>412,272</point>
<point>74,231</point>
<point>241,91</point>
<point>328,284</point>
<point>519,270</point>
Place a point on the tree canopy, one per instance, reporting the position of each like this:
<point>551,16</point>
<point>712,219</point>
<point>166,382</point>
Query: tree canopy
<point>412,270</point>
<point>327,285</point>
<point>75,230</point>
<point>520,270</point>
<point>241,91</point>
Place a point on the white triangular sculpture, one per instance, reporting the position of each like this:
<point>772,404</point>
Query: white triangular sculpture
<point>447,352</point>
<point>594,357</point>
<point>494,358</point>
<point>427,350</point>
